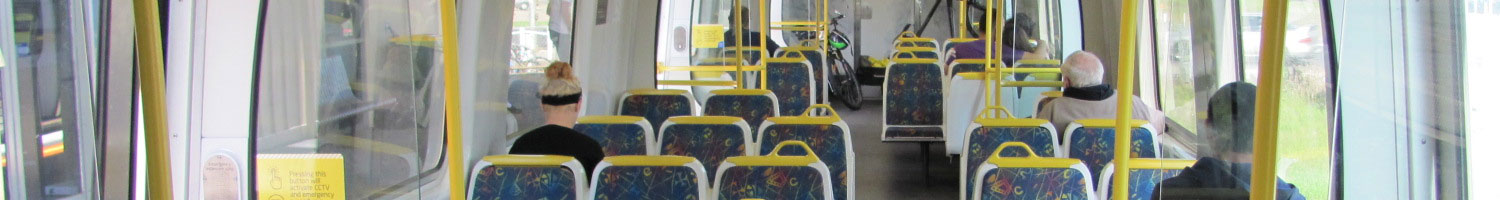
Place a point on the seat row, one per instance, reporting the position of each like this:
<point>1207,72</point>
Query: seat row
<point>712,139</point>
<point>773,176</point>
<point>1028,176</point>
<point>1085,154</point>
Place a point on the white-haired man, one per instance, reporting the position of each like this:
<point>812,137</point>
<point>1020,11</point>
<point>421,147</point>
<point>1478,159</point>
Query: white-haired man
<point>1087,96</point>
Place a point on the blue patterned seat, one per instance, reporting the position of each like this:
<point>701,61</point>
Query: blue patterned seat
<point>752,105</point>
<point>619,135</point>
<point>916,52</point>
<point>915,42</point>
<point>658,105</point>
<point>774,176</point>
<point>527,177</point>
<point>829,139</point>
<point>986,135</point>
<point>1030,177</point>
<point>791,80</point>
<point>1145,174</point>
<point>815,60</point>
<point>710,139</point>
<point>1093,141</point>
<point>913,106</point>
<point>649,177</point>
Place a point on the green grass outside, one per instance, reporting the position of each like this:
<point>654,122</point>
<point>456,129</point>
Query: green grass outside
<point>1302,148</point>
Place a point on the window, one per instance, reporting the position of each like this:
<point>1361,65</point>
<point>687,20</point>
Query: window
<point>361,88</point>
<point>542,33</point>
<point>1304,140</point>
<point>52,101</point>
<point>1174,58</point>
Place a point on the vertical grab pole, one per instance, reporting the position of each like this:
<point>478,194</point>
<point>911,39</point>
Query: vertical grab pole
<point>736,15</point>
<point>1125,94</point>
<point>991,75</point>
<point>1267,101</point>
<point>765,24</point>
<point>153,95</point>
<point>963,20</point>
<point>457,183</point>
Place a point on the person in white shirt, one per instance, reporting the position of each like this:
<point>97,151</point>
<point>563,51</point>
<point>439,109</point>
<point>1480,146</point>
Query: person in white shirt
<point>561,27</point>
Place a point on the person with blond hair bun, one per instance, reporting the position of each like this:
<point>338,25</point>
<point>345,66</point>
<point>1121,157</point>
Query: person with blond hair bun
<point>560,98</point>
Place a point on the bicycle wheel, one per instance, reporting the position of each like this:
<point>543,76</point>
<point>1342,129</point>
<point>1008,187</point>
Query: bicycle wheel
<point>848,86</point>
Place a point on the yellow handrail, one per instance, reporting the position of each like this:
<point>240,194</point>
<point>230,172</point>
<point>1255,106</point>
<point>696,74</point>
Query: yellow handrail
<point>457,183</point>
<point>697,83</point>
<point>1126,88</point>
<point>708,68</point>
<point>1267,102</point>
<point>153,95</point>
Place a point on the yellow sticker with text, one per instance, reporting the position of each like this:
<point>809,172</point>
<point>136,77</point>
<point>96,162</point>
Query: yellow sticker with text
<point>299,176</point>
<point>707,35</point>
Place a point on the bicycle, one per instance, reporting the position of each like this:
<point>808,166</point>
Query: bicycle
<point>843,76</point>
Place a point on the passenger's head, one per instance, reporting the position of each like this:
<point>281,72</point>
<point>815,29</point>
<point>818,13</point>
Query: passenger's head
<point>1019,31</point>
<point>743,21</point>
<point>561,95</point>
<point>1231,116</point>
<point>1082,69</point>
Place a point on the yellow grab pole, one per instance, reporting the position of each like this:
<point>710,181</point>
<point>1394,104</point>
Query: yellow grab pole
<point>457,183</point>
<point>765,27</point>
<point>989,59</point>
<point>1126,90</point>
<point>1268,101</point>
<point>963,20</point>
<point>153,94</point>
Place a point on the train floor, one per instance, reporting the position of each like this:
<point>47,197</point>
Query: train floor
<point>894,170</point>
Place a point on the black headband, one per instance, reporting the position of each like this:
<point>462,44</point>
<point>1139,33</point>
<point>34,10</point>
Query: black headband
<point>561,100</point>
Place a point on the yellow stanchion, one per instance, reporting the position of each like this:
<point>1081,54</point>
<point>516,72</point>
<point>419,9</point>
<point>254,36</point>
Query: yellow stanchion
<point>1128,21</point>
<point>1268,101</point>
<point>457,183</point>
<point>153,95</point>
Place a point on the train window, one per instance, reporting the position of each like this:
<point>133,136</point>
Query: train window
<point>1174,57</point>
<point>1305,109</point>
<point>359,84</point>
<point>542,33</point>
<point>50,103</point>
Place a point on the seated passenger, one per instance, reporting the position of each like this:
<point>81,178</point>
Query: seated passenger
<point>1088,97</point>
<point>750,37</point>
<point>1016,44</point>
<point>560,103</point>
<point>1231,117</point>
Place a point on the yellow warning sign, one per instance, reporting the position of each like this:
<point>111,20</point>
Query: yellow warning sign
<point>707,35</point>
<point>299,176</point>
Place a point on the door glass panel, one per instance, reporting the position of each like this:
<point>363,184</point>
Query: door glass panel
<point>359,84</point>
<point>1303,150</point>
<point>48,65</point>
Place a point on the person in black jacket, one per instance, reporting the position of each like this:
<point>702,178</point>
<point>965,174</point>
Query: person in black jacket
<point>747,36</point>
<point>1231,116</point>
<point>560,99</point>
